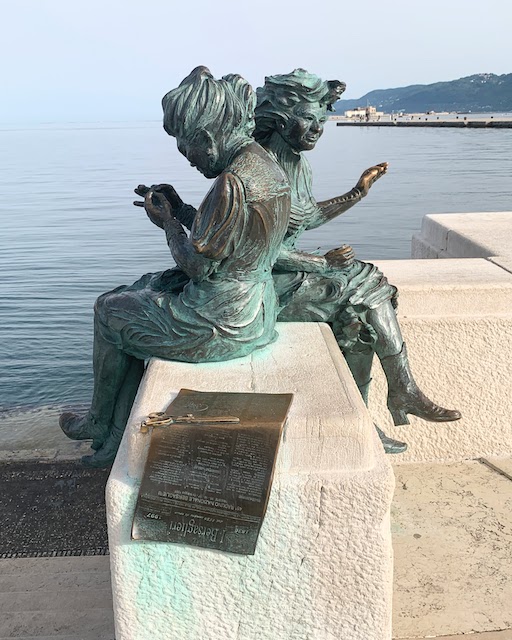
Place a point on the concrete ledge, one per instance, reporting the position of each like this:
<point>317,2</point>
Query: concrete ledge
<point>464,235</point>
<point>456,317</point>
<point>505,634</point>
<point>323,566</point>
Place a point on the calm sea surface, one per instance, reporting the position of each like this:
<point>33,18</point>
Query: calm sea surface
<point>69,230</point>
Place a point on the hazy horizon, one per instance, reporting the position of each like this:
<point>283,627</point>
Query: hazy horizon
<point>95,61</point>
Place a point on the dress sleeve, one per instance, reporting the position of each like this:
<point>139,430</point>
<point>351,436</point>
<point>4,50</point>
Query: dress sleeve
<point>219,226</point>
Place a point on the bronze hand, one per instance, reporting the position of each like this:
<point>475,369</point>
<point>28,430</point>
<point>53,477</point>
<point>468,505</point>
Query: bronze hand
<point>160,201</point>
<point>370,176</point>
<point>341,257</point>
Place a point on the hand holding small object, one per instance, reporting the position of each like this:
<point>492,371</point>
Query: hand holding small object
<point>341,257</point>
<point>161,202</point>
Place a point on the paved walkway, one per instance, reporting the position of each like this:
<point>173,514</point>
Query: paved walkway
<point>452,538</point>
<point>57,598</point>
<point>452,527</point>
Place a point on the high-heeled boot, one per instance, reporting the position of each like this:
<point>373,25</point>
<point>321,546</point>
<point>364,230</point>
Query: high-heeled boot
<point>83,427</point>
<point>390,444</point>
<point>106,454</point>
<point>405,397</point>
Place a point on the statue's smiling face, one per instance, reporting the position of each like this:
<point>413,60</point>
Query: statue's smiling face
<point>305,126</point>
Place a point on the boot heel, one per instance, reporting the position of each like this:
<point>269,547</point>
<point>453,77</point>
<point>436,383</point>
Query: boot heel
<point>399,415</point>
<point>404,396</point>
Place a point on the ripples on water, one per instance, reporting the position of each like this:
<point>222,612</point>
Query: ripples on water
<point>70,232</point>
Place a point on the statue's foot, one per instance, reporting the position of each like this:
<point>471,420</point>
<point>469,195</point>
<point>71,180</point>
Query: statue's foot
<point>404,395</point>
<point>82,427</point>
<point>416,403</point>
<point>97,443</point>
<point>390,445</point>
<point>99,460</point>
<point>105,454</point>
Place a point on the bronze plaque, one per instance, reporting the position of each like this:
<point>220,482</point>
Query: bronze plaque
<point>207,484</point>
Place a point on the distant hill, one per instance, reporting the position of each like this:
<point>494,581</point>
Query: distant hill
<point>481,92</point>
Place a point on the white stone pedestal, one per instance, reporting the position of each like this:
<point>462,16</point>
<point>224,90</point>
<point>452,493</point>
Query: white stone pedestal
<point>323,565</point>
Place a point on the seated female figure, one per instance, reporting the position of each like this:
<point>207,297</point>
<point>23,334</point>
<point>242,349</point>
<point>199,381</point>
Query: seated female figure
<point>353,296</point>
<point>228,306</point>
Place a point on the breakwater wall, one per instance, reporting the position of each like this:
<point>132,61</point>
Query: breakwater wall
<point>458,124</point>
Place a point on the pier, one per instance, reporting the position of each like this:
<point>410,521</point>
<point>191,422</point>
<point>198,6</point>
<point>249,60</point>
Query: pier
<point>457,122</point>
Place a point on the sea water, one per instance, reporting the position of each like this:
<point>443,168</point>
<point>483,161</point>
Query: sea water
<point>69,230</point>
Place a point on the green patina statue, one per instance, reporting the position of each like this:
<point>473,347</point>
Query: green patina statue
<point>354,297</point>
<point>220,302</point>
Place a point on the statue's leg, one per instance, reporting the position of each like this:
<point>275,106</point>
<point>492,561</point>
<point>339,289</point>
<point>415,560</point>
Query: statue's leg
<point>323,299</point>
<point>404,396</point>
<point>130,327</point>
<point>110,366</point>
<point>360,365</point>
<point>107,450</point>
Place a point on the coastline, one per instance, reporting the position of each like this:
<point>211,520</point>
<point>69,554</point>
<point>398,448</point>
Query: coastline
<point>453,120</point>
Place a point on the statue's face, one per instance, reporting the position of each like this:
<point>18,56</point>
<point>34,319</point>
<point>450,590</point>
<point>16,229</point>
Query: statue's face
<point>204,153</point>
<point>305,126</point>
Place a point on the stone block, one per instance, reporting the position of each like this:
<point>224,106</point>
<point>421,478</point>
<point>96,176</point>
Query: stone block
<point>502,261</point>
<point>456,317</point>
<point>421,249</point>
<point>451,533</point>
<point>434,230</point>
<point>468,235</point>
<point>323,564</point>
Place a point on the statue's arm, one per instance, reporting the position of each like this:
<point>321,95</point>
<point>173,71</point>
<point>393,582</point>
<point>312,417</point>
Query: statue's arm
<point>221,223</point>
<point>186,214</point>
<point>161,211</point>
<point>198,267</point>
<point>293,260</point>
<point>329,209</point>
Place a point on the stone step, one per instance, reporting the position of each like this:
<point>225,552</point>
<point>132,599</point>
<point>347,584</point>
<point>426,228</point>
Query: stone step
<point>58,598</point>
<point>54,581</point>
<point>70,600</point>
<point>95,623</point>
<point>71,564</point>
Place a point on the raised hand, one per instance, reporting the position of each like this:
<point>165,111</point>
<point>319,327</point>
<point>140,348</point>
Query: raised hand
<point>341,257</point>
<point>370,176</point>
<point>161,202</point>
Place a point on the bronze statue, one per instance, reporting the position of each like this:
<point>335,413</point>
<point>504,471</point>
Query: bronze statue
<point>220,302</point>
<point>354,297</point>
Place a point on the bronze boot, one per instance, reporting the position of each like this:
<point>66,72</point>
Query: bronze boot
<point>106,453</point>
<point>405,397</point>
<point>390,445</point>
<point>84,427</point>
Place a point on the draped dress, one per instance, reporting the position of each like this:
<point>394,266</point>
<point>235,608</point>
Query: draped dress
<point>343,295</point>
<point>231,311</point>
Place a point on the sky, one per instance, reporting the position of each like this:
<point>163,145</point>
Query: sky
<point>113,60</point>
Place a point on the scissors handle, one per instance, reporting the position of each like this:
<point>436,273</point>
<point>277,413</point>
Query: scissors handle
<point>161,419</point>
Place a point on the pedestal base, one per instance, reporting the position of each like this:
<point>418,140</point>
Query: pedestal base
<point>323,564</point>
